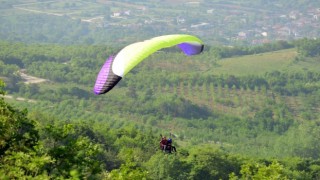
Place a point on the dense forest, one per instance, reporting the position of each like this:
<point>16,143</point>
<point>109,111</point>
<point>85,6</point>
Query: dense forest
<point>35,146</point>
<point>233,125</point>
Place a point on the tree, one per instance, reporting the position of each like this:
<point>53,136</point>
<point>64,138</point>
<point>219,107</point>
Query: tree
<point>211,163</point>
<point>18,133</point>
<point>162,166</point>
<point>74,149</point>
<point>2,92</point>
<point>309,47</point>
<point>19,144</point>
<point>261,171</point>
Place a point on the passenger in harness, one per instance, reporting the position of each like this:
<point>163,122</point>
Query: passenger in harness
<point>163,143</point>
<point>170,147</point>
<point>166,145</point>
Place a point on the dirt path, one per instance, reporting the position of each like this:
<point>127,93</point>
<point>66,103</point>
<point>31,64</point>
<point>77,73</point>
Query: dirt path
<point>41,12</point>
<point>59,14</point>
<point>32,3</point>
<point>30,79</point>
<point>19,98</point>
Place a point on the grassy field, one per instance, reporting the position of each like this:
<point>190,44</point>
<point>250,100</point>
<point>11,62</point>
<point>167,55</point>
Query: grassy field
<point>258,64</point>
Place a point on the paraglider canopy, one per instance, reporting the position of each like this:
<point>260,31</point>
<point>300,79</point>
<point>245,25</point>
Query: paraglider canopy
<point>115,67</point>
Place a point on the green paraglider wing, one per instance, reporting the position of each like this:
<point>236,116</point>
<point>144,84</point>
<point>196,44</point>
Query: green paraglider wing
<point>116,67</point>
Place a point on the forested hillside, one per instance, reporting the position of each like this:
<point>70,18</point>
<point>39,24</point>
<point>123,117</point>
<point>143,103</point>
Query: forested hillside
<point>233,113</point>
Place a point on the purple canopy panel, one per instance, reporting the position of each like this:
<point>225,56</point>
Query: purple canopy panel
<point>191,49</point>
<point>106,79</point>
